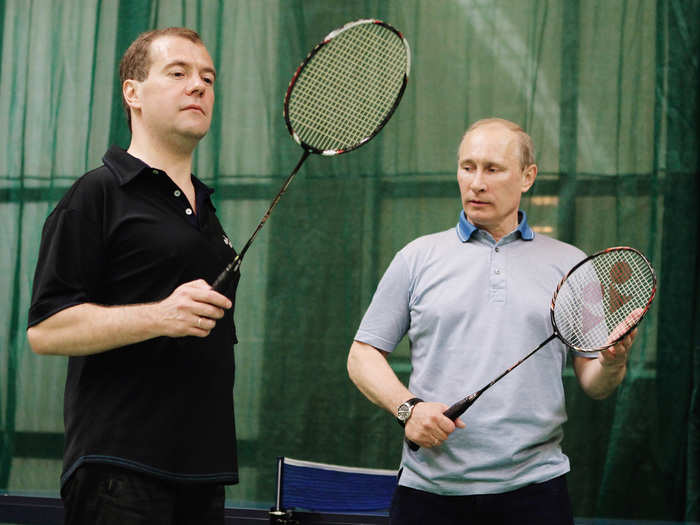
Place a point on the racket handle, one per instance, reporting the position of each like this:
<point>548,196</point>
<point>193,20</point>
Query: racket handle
<point>453,413</point>
<point>459,408</point>
<point>219,284</point>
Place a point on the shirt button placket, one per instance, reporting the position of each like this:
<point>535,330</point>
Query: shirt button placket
<point>498,281</point>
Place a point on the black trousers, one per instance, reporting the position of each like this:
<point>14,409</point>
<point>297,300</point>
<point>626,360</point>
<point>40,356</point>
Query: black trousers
<point>538,504</point>
<point>106,495</point>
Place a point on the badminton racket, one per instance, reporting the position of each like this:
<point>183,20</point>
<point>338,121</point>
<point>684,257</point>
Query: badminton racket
<point>596,304</point>
<point>339,98</point>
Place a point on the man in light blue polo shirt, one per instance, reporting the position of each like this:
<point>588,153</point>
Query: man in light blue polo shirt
<point>473,300</point>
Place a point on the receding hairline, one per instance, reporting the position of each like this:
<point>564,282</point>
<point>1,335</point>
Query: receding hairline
<point>526,148</point>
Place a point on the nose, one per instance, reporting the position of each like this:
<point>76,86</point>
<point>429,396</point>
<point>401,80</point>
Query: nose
<point>196,86</point>
<point>477,184</point>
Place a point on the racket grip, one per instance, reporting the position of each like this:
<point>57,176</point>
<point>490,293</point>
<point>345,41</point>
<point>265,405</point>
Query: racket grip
<point>453,413</point>
<point>217,285</point>
<point>220,283</point>
<point>457,409</point>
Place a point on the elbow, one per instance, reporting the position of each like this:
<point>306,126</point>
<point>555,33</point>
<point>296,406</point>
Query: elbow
<point>351,366</point>
<point>34,340</point>
<point>37,341</point>
<point>354,364</point>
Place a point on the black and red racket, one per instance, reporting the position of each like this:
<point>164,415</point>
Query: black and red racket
<point>596,304</point>
<point>340,97</point>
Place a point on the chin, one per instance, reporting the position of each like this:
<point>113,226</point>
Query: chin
<point>196,134</point>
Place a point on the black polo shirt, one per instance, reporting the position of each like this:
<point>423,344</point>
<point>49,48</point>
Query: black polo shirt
<point>126,234</point>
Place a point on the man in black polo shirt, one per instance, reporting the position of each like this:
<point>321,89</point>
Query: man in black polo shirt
<point>121,288</point>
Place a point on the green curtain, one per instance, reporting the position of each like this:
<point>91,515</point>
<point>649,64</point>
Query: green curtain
<point>608,89</point>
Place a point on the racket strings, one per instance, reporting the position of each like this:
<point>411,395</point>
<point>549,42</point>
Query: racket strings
<point>346,91</point>
<point>603,298</point>
<point>338,126</point>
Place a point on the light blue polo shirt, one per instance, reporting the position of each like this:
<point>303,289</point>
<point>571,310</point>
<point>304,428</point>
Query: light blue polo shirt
<point>471,308</point>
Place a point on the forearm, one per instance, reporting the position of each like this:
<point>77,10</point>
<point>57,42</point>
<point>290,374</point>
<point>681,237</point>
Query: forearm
<point>90,328</point>
<point>192,309</point>
<point>596,380</point>
<point>369,369</point>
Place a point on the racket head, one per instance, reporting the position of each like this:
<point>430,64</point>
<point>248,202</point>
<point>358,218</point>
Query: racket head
<point>603,298</point>
<point>348,87</point>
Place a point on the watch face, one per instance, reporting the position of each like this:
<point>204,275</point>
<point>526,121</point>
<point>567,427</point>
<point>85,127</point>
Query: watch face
<point>404,411</point>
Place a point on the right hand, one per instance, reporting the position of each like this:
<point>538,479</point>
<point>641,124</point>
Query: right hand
<point>428,426</point>
<point>192,309</point>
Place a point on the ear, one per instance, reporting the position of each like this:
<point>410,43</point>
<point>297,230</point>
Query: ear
<point>529,176</point>
<point>131,91</point>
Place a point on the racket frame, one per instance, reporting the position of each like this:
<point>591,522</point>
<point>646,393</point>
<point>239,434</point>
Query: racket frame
<point>333,34</point>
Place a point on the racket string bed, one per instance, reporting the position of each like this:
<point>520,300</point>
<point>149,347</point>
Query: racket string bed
<point>352,85</point>
<point>601,299</point>
<point>322,127</point>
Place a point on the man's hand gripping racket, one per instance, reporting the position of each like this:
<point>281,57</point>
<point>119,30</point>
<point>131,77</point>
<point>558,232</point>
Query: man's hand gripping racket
<point>340,97</point>
<point>601,300</point>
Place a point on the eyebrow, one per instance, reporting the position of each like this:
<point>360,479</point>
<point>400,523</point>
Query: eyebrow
<point>182,63</point>
<point>487,163</point>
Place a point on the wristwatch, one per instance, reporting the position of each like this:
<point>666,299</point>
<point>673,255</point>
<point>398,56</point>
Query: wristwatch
<point>406,409</point>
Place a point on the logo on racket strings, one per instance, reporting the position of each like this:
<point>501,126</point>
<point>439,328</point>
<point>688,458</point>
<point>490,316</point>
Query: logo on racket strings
<point>594,292</point>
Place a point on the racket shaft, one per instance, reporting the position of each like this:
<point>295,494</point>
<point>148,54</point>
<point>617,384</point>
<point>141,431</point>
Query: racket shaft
<point>462,405</point>
<point>236,263</point>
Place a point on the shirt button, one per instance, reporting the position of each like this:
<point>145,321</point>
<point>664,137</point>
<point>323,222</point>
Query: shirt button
<point>177,193</point>
<point>498,249</point>
<point>155,172</point>
<point>498,272</point>
<point>188,211</point>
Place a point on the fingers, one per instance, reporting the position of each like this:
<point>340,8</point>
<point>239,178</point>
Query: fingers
<point>428,426</point>
<point>192,310</point>
<point>616,355</point>
<point>201,291</point>
<point>632,318</point>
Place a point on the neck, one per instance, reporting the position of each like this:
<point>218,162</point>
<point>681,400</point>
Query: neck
<point>497,231</point>
<point>174,159</point>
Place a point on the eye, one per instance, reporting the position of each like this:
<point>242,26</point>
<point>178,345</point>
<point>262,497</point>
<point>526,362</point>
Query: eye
<point>177,74</point>
<point>208,80</point>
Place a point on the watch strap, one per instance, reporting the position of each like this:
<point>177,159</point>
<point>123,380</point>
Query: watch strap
<point>411,403</point>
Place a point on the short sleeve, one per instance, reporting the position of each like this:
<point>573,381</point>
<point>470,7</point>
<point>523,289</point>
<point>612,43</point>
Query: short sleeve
<point>388,317</point>
<point>68,265</point>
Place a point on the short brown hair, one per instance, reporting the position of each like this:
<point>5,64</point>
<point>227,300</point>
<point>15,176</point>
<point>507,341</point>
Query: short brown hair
<point>526,146</point>
<point>136,62</point>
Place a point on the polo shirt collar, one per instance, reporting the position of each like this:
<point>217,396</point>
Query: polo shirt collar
<point>466,229</point>
<point>126,167</point>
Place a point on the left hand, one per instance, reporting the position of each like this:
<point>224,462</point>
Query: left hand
<point>615,357</point>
